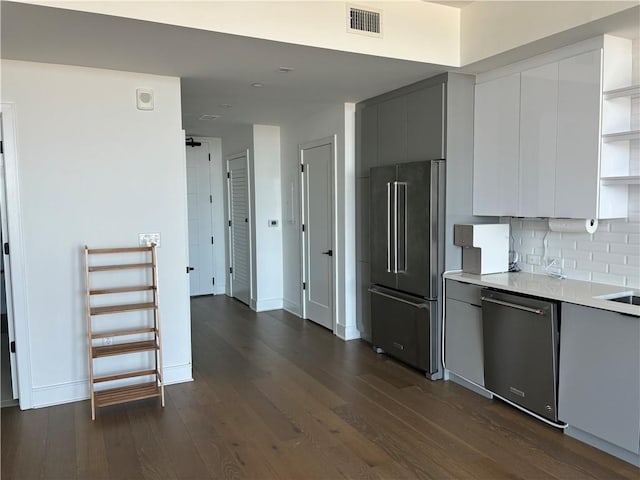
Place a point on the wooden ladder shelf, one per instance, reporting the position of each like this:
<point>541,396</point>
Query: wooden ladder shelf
<point>144,338</point>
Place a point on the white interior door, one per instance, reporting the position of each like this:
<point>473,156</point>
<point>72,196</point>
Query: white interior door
<point>240,228</point>
<point>6,265</point>
<point>199,205</point>
<point>317,175</point>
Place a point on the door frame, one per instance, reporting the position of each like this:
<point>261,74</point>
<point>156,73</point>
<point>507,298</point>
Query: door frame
<point>228,159</point>
<point>205,141</point>
<point>333,142</point>
<point>16,260</point>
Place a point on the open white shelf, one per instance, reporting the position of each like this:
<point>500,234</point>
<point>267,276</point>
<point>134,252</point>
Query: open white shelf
<point>621,136</point>
<point>621,180</point>
<point>633,91</point>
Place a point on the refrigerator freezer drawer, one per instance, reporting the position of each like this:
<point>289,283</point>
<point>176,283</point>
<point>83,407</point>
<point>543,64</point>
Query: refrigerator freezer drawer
<point>402,326</point>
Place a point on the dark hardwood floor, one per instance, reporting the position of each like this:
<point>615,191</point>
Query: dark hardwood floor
<point>276,397</point>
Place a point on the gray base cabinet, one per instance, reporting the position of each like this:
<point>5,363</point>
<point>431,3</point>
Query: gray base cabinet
<point>599,385</point>
<point>463,331</point>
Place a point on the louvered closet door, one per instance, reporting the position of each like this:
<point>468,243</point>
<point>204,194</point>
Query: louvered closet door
<point>240,229</point>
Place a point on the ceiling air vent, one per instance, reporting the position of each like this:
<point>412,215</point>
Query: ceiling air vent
<point>364,21</point>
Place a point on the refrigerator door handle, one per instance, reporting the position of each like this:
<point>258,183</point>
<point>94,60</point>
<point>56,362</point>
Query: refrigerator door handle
<point>375,291</point>
<point>395,227</point>
<point>388,227</point>
<point>401,227</point>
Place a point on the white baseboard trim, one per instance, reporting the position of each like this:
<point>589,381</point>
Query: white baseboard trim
<point>347,333</point>
<point>267,304</point>
<point>60,393</point>
<point>292,308</point>
<point>219,290</point>
<point>78,390</point>
<point>177,374</point>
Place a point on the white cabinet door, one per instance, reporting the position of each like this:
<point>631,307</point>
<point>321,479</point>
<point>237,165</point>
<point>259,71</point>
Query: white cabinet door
<point>577,164</point>
<point>538,127</point>
<point>599,384</point>
<point>496,147</point>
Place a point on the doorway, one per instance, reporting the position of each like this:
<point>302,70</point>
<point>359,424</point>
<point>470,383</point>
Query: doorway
<point>200,217</point>
<point>317,160</point>
<point>240,268</point>
<point>9,374</point>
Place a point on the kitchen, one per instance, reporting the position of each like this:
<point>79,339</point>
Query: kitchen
<point>444,130</point>
<point>553,199</point>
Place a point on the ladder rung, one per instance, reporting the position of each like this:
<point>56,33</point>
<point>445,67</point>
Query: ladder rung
<point>122,266</point>
<point>120,376</point>
<point>122,308</point>
<point>95,251</point>
<point>122,348</point>
<point>112,396</point>
<point>119,333</point>
<point>103,291</point>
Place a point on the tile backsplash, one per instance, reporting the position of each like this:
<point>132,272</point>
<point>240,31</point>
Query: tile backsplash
<point>611,255</point>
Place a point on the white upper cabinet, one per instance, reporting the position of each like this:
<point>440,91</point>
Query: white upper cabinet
<point>538,124</point>
<point>495,162</point>
<point>577,166</point>
<point>548,143</point>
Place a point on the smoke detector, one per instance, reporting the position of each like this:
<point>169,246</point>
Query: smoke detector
<point>364,20</point>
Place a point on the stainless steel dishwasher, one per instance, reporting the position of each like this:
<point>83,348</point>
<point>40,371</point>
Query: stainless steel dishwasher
<point>520,337</point>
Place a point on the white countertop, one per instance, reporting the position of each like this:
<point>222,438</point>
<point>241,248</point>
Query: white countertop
<point>564,290</point>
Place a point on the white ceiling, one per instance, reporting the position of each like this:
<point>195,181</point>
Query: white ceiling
<point>215,68</point>
<point>454,3</point>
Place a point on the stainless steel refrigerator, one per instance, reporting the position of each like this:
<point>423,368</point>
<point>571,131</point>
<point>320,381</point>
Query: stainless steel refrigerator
<point>407,261</point>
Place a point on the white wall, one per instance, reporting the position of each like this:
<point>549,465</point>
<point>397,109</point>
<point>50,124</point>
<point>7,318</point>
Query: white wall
<point>267,206</point>
<point>336,120</point>
<point>412,29</point>
<point>489,27</point>
<point>94,170</point>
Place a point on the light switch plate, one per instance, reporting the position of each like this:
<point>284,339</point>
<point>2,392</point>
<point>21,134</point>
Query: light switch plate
<point>148,239</point>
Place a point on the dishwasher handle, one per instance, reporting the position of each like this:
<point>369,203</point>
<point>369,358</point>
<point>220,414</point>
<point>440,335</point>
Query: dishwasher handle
<point>537,311</point>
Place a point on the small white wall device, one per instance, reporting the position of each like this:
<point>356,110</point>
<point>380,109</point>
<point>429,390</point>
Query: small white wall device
<point>485,248</point>
<point>144,98</point>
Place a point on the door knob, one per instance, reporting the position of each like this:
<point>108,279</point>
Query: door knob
<point>190,269</point>
<point>328,252</point>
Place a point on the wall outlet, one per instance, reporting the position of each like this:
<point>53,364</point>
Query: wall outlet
<point>533,259</point>
<point>148,239</point>
<point>107,341</point>
<point>273,223</point>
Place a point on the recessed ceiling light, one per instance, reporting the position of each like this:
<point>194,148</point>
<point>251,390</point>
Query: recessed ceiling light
<point>225,105</point>
<point>257,85</point>
<point>285,69</point>
<point>208,116</point>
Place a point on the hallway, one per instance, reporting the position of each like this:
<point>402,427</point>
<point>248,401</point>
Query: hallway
<point>277,397</point>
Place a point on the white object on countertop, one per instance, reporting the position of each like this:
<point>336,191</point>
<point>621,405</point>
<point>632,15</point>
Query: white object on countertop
<point>573,225</point>
<point>485,247</point>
